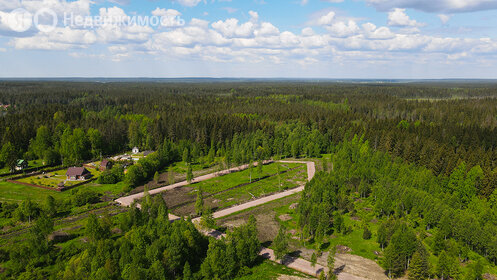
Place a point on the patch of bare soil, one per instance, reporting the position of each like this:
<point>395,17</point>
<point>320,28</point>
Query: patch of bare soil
<point>285,217</point>
<point>343,249</point>
<point>288,277</point>
<point>488,276</point>
<point>350,267</point>
<point>178,196</point>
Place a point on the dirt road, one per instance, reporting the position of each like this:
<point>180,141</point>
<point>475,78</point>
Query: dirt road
<point>253,203</point>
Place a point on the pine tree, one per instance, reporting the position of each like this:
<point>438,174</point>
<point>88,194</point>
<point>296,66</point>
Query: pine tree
<point>187,272</point>
<point>418,268</point>
<point>443,266</point>
<point>366,235</point>
<point>199,203</point>
<point>189,174</point>
<point>314,259</point>
<point>281,243</point>
<point>331,263</point>
<point>156,177</point>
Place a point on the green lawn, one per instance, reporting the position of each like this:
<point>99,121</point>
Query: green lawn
<point>225,182</point>
<point>269,270</point>
<point>16,193</point>
<point>262,188</point>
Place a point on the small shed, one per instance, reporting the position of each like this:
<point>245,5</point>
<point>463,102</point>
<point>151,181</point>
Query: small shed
<point>21,165</point>
<point>78,173</point>
<point>135,150</point>
<point>146,153</point>
<point>105,165</point>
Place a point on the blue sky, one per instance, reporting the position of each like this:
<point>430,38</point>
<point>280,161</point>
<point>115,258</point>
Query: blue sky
<point>249,38</point>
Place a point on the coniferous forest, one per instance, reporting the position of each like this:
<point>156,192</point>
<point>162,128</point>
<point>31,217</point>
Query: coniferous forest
<point>423,156</point>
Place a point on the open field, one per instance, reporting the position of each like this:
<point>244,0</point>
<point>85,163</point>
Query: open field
<point>11,192</point>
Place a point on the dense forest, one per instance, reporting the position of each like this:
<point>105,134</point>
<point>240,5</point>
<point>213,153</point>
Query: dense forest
<point>425,153</point>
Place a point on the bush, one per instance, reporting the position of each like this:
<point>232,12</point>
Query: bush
<point>366,235</point>
<point>85,196</point>
<point>112,176</point>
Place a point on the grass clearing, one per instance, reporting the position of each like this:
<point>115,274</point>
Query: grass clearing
<point>10,192</point>
<point>228,181</point>
<point>269,270</point>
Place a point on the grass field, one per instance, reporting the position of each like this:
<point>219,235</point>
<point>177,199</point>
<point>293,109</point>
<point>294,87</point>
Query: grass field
<point>234,179</point>
<point>262,188</point>
<point>11,192</point>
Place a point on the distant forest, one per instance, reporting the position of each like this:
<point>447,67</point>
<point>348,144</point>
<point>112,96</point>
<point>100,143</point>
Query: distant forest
<point>423,155</point>
<point>433,125</point>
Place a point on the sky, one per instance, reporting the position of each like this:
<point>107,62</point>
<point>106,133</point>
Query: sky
<point>336,39</point>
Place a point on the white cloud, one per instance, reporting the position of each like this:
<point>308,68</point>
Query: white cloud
<point>326,19</point>
<point>169,17</point>
<point>372,32</point>
<point>444,18</point>
<point>398,17</point>
<point>343,29</point>
<point>436,6</point>
<point>189,3</point>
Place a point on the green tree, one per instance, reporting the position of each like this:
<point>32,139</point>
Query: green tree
<point>187,272</point>
<point>50,206</point>
<point>418,268</point>
<point>444,266</point>
<point>156,177</point>
<point>330,261</point>
<point>97,229</point>
<point>314,259</point>
<point>199,203</point>
<point>366,235</point>
<point>42,142</point>
<point>281,243</point>
<point>189,174</point>
<point>8,156</point>
<point>170,176</point>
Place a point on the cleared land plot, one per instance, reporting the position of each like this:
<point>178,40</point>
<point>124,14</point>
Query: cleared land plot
<point>235,188</point>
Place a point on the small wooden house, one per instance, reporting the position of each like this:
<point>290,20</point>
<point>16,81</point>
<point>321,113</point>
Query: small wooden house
<point>105,165</point>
